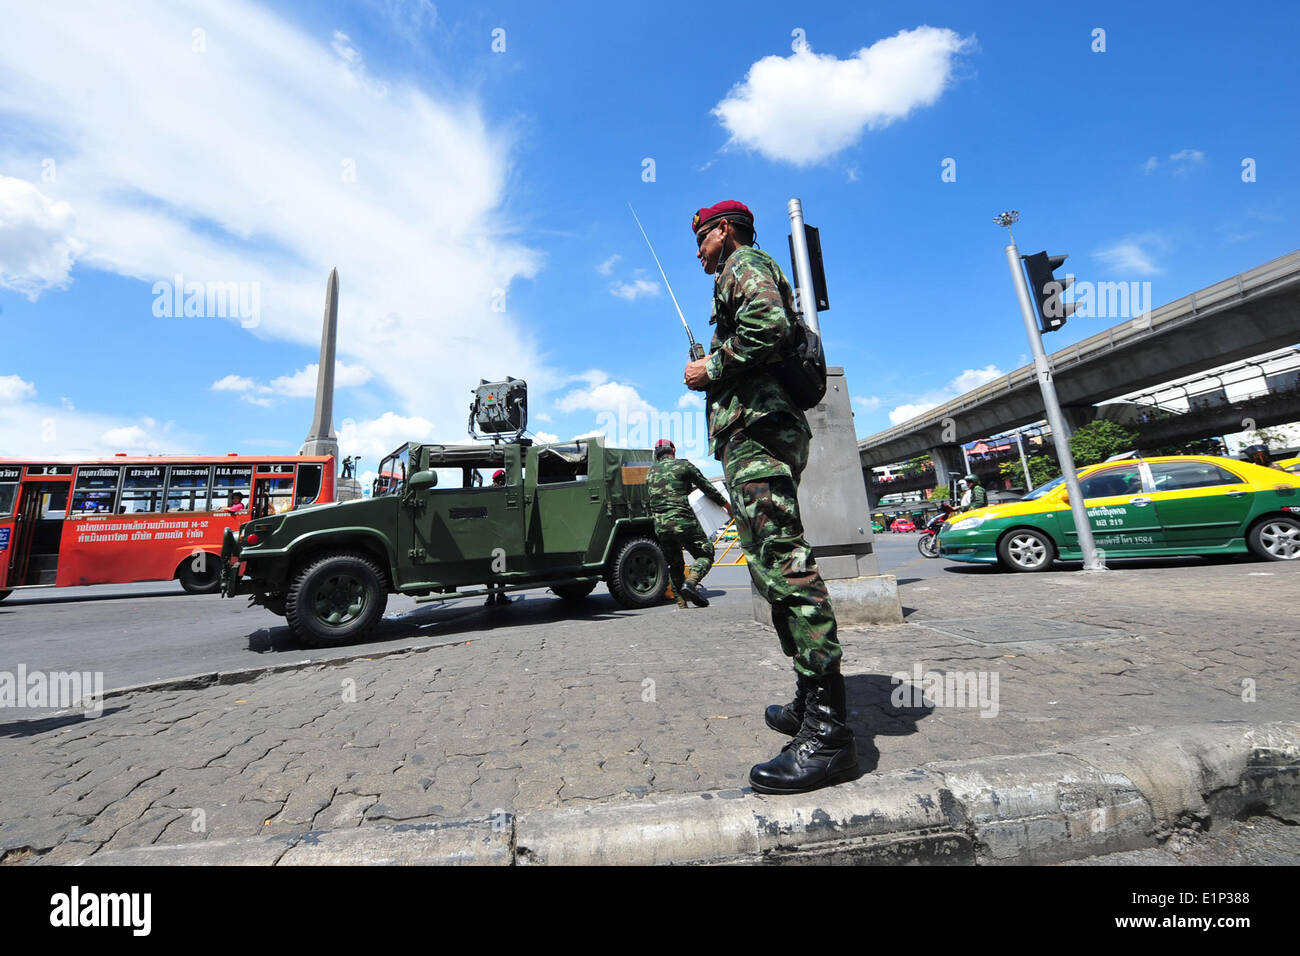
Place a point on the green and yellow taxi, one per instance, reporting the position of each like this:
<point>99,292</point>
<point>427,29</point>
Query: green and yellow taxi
<point>1139,508</point>
<point>1289,464</point>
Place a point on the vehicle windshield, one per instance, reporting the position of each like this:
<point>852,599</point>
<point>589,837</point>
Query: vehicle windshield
<point>1046,489</point>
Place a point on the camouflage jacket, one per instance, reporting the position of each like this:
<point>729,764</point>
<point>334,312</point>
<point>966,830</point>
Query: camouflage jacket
<point>669,483</point>
<point>979,498</point>
<point>752,310</point>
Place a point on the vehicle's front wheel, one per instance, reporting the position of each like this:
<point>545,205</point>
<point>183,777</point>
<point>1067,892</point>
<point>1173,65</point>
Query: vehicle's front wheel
<point>1026,550</point>
<point>1276,539</point>
<point>337,598</point>
<point>638,573</point>
<point>928,545</point>
<point>205,579</point>
<point>575,591</point>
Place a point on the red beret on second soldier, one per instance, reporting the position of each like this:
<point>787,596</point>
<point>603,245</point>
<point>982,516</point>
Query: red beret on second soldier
<point>727,209</point>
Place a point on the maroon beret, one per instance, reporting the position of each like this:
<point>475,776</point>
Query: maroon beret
<point>727,209</point>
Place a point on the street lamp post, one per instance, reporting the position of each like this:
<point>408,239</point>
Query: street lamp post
<point>1091,559</point>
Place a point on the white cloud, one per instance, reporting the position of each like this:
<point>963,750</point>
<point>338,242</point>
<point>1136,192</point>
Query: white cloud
<point>905,413</point>
<point>806,107</point>
<point>302,383</point>
<point>606,267</point>
<point>867,404</point>
<point>375,438</point>
<point>973,378</point>
<point>612,397</point>
<point>233,383</point>
<point>542,417</point>
<point>546,438</point>
<point>968,380</point>
<point>1129,256</point>
<point>691,400</point>
<point>37,430</point>
<point>14,389</point>
<point>592,376</point>
<point>634,290</point>
<point>37,239</point>
<point>269,155</point>
<point>1182,161</point>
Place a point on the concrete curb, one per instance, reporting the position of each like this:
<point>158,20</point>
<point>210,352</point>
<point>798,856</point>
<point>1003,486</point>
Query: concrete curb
<point>1100,796</point>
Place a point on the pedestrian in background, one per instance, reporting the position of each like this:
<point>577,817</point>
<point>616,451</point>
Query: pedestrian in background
<point>669,483</point>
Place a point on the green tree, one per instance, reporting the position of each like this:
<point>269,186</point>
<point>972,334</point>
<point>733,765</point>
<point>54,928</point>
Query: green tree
<point>940,493</point>
<point>1042,469</point>
<point>1099,440</point>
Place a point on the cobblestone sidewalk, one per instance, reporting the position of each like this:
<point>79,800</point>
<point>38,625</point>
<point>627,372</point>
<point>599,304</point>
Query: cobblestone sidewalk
<point>564,712</point>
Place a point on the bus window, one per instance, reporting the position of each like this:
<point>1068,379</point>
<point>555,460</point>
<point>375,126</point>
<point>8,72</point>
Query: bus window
<point>309,483</point>
<point>7,494</point>
<point>229,479</point>
<point>187,488</point>
<point>96,491</point>
<point>142,490</point>
<point>274,496</point>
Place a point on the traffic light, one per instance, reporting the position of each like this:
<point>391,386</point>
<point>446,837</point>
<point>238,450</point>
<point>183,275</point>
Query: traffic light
<point>1047,289</point>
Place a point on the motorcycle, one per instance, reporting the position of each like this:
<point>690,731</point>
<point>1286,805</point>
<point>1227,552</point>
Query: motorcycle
<point>928,543</point>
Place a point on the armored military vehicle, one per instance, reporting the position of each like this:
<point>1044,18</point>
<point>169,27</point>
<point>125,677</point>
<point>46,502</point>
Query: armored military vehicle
<point>567,517</point>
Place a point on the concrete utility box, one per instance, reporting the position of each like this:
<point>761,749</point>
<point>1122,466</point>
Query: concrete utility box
<point>836,519</point>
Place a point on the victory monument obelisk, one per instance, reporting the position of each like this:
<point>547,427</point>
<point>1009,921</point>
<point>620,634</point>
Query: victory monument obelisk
<point>321,440</point>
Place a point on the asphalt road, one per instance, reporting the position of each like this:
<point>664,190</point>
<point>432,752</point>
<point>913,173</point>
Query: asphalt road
<point>143,633</point>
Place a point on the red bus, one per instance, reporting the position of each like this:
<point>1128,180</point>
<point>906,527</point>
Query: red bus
<point>123,519</point>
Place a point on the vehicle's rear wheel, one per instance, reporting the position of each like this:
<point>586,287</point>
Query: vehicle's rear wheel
<point>575,591</point>
<point>928,545</point>
<point>1275,539</point>
<point>205,579</point>
<point>1026,550</point>
<point>638,573</point>
<point>335,599</point>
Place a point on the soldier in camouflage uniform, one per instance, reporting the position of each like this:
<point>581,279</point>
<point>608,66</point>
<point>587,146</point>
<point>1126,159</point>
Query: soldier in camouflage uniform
<point>761,437</point>
<point>669,484</point>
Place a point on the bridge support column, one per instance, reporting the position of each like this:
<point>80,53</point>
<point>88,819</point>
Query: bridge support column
<point>873,496</point>
<point>1076,416</point>
<point>948,463</point>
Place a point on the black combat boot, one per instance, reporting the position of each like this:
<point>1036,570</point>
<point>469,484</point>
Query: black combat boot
<point>788,719</point>
<point>690,589</point>
<point>822,753</point>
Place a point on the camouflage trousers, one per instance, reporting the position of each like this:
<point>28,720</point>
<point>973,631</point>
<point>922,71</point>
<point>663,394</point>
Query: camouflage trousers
<point>686,538</point>
<point>762,464</point>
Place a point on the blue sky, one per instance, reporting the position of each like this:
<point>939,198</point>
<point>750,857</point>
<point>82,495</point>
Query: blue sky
<point>474,199</point>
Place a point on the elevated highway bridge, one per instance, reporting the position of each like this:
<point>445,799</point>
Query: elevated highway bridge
<point>1245,315</point>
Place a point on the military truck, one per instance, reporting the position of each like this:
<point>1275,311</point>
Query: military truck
<point>568,516</point>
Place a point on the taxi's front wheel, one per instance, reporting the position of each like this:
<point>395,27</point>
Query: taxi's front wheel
<point>1276,539</point>
<point>1026,550</point>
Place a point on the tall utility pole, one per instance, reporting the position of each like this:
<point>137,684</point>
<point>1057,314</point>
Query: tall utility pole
<point>1024,463</point>
<point>1091,560</point>
<point>832,494</point>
